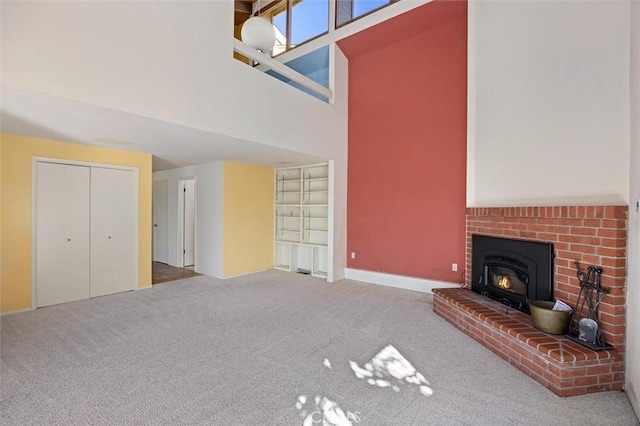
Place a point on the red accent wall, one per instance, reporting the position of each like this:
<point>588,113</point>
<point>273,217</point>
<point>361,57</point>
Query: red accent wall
<point>407,144</point>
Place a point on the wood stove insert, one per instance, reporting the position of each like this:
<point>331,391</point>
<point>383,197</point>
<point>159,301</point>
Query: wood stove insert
<point>512,271</point>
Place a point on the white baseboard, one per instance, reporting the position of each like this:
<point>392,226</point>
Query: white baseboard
<point>398,281</point>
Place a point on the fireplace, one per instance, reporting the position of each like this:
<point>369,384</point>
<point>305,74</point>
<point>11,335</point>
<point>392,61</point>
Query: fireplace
<point>592,235</point>
<point>512,271</point>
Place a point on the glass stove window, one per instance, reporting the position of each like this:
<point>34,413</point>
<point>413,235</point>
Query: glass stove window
<point>509,280</point>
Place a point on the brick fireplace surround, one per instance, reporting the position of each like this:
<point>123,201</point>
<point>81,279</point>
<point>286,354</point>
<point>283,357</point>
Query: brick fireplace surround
<point>592,235</point>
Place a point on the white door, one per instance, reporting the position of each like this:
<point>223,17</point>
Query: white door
<point>189,228</point>
<point>113,232</point>
<point>161,222</point>
<point>62,233</point>
<point>124,230</point>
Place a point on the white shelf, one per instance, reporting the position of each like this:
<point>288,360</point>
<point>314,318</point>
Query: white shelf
<point>284,240</point>
<point>302,219</point>
<point>319,262</point>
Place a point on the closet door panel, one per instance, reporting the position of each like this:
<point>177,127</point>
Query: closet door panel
<point>50,233</point>
<point>113,232</point>
<point>102,253</point>
<point>62,233</point>
<point>125,274</point>
<point>77,216</point>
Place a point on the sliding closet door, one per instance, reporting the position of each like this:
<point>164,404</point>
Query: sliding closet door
<point>62,233</point>
<point>114,264</point>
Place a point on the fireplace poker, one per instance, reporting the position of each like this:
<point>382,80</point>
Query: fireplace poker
<point>601,292</point>
<point>585,329</point>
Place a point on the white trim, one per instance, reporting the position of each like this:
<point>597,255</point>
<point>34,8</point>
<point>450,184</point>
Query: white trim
<point>398,281</point>
<point>471,103</point>
<point>81,163</point>
<point>138,288</point>
<point>330,222</point>
<point>180,224</point>
<point>154,257</point>
<point>34,228</point>
<point>332,16</point>
<point>367,21</point>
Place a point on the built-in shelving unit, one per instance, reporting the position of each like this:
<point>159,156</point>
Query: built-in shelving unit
<point>302,219</point>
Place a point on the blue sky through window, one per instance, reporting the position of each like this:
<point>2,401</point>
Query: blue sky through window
<point>280,21</point>
<point>361,7</point>
<point>309,18</point>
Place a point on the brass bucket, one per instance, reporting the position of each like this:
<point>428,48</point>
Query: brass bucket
<point>547,320</point>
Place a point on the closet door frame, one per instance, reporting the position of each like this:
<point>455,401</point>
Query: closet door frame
<point>34,206</point>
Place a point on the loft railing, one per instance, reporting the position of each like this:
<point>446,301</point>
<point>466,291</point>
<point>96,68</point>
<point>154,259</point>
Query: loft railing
<point>329,28</point>
<point>268,62</point>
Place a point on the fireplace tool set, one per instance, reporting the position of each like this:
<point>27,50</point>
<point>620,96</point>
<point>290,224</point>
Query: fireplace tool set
<point>584,327</point>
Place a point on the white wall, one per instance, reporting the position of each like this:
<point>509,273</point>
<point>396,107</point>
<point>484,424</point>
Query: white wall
<point>548,103</point>
<point>338,227</point>
<point>209,215</point>
<point>171,61</point>
<point>633,264</point>
<point>549,89</point>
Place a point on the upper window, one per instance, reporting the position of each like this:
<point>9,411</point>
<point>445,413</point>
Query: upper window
<point>309,19</point>
<point>298,21</point>
<point>348,10</point>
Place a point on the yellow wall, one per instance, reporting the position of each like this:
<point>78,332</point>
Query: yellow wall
<point>15,209</point>
<point>248,218</point>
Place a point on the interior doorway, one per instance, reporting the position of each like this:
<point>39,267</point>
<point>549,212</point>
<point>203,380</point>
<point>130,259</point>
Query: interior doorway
<point>188,212</point>
<point>161,222</point>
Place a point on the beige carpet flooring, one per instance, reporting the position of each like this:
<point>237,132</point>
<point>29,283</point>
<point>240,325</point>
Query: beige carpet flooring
<point>271,348</point>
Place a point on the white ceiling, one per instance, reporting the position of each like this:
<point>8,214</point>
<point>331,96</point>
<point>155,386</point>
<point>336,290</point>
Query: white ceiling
<point>34,114</point>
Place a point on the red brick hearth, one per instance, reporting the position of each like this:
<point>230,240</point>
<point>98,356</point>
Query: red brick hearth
<point>559,364</point>
<point>592,235</point>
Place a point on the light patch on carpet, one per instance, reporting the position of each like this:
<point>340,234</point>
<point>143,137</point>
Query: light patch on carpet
<point>323,411</point>
<point>391,369</point>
